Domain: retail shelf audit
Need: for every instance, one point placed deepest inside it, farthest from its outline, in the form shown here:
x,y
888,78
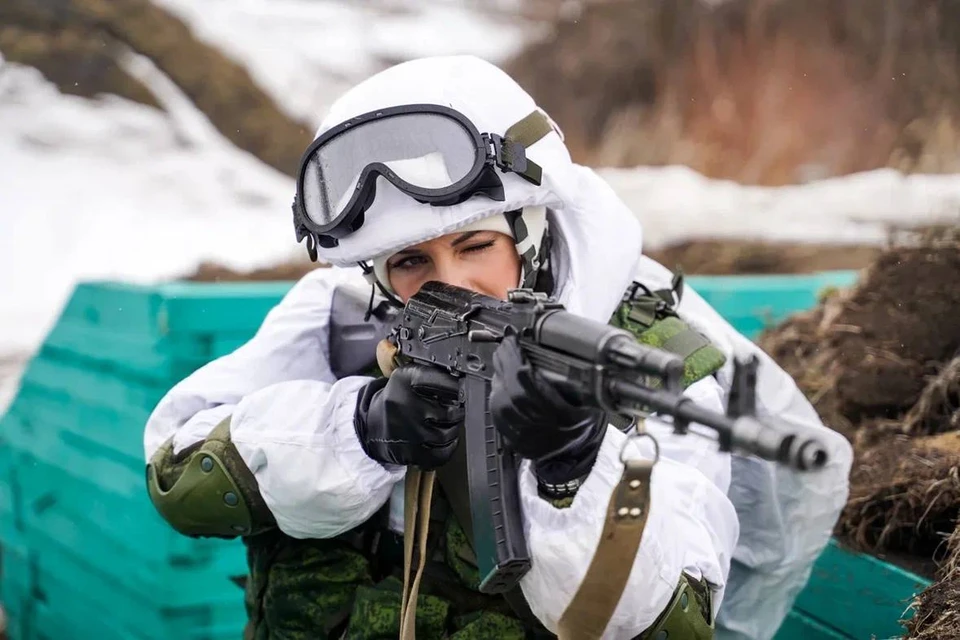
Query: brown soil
x,y
867,354
62,36
881,363
718,257
936,614
905,495
287,271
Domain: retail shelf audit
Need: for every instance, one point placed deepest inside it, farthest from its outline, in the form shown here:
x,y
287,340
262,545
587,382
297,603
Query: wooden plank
x,y
95,387
54,616
161,584
129,522
218,308
64,577
10,516
178,307
44,444
112,433
858,594
164,360
114,307
798,626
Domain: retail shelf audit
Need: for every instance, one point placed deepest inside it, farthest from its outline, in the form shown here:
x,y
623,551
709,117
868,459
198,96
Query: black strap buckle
x,y
510,155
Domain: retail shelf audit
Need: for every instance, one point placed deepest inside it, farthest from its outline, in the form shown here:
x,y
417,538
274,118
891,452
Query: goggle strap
x,y
519,137
529,130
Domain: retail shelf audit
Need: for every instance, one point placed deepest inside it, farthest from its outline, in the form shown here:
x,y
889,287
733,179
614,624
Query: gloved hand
x,y
538,423
411,418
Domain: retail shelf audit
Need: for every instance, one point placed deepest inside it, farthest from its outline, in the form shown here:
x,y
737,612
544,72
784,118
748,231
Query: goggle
x,y
432,153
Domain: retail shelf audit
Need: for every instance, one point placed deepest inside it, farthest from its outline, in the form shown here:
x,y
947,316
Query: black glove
x,y
536,421
411,418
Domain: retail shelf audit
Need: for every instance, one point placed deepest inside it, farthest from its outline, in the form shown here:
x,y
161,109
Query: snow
x,y
676,204
305,53
108,189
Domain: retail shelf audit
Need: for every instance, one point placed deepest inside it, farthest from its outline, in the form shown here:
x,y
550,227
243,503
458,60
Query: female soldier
x,y
445,169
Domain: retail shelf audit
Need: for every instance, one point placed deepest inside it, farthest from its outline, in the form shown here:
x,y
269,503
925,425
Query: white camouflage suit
x,y
751,529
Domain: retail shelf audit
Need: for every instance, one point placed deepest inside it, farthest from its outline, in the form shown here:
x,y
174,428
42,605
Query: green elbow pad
x,y
688,616
207,491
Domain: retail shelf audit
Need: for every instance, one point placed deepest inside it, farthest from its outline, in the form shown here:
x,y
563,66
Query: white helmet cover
x,y
584,213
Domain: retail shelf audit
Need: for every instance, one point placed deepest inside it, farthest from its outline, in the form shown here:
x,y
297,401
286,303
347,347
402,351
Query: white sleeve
x,y
692,525
292,421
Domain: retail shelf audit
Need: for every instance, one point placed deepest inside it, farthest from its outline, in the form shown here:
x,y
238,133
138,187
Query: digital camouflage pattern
x,y
299,589
654,323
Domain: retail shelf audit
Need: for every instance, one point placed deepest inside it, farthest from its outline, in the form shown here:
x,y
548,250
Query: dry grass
x,y
759,91
881,363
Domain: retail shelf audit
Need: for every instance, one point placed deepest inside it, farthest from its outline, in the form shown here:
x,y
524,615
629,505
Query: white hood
x,y
597,238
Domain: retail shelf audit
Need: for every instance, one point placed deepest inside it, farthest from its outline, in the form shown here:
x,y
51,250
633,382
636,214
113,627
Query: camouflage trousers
x,y
299,589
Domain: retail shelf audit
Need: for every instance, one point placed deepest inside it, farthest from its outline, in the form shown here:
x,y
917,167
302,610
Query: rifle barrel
x,y
797,448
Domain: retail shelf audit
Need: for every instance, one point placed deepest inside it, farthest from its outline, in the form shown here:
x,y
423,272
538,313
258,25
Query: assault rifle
x,y
589,362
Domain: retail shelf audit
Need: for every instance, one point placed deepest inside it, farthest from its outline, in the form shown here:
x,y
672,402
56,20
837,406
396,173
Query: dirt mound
x,y
866,355
722,257
78,44
285,271
740,89
881,363
905,495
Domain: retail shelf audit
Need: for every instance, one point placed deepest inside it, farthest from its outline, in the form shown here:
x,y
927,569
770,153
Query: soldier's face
x,y
483,261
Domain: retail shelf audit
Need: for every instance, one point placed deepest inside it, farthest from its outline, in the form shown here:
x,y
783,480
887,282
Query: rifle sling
x,y
418,496
593,605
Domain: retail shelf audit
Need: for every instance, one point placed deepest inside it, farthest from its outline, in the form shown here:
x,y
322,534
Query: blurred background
x,y
148,140
155,141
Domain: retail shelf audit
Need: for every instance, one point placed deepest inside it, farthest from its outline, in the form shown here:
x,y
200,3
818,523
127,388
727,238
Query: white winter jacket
x,y
750,529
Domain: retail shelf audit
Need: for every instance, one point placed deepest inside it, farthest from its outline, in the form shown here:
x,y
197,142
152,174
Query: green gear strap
x,y
530,129
689,616
207,491
525,133
652,319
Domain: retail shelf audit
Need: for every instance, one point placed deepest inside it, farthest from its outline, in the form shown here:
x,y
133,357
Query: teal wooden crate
x,y
89,428
752,303
859,594
163,332
64,577
160,310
